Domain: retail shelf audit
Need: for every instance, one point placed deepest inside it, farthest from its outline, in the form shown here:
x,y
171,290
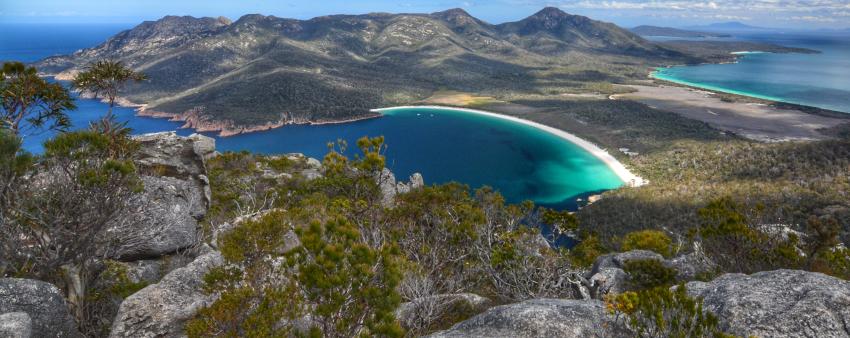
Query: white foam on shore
x,y
618,168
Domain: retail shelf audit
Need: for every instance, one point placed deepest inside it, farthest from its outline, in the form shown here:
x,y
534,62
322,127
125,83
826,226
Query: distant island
x,y
727,26
674,32
262,72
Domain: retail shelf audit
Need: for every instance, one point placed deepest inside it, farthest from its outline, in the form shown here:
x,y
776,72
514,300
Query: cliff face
x,y
262,71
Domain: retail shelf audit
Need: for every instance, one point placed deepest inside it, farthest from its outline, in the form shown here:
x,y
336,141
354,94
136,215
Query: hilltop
x,y
263,71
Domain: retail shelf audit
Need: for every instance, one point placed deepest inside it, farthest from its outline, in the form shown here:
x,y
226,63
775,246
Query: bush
x,y
652,240
649,273
663,313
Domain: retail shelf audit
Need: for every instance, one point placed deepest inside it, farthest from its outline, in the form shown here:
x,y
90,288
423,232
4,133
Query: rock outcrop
x,y
15,325
390,187
160,221
163,219
41,302
781,303
608,276
162,309
540,318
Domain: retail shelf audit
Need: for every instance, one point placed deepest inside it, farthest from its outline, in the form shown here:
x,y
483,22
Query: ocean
x,y
818,80
520,161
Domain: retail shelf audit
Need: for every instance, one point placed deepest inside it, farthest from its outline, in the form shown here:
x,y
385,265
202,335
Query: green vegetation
x,y
649,273
356,257
652,240
663,313
776,184
616,124
30,102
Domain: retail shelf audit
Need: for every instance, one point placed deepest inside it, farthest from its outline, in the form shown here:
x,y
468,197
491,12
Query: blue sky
x,y
773,13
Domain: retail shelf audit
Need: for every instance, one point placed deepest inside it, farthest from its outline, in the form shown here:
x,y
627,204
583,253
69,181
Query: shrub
x,y
663,313
586,252
652,240
649,273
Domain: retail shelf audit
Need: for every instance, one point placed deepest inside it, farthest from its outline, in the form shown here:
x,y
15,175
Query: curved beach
x,y
618,168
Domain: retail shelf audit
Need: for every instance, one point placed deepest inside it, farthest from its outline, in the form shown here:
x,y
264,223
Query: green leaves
x,y
26,97
649,273
652,240
105,78
351,284
664,313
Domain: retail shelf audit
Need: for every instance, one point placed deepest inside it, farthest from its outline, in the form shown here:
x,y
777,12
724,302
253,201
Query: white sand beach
x,y
618,168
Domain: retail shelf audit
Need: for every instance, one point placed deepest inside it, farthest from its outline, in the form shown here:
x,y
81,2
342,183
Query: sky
x,y
806,14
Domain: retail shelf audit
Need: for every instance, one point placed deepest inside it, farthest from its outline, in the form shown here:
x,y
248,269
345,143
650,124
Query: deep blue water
x,y
519,161
820,80
32,42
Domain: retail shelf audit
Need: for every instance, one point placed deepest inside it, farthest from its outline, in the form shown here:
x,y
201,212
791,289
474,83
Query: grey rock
x,y
162,309
167,154
42,302
540,318
609,281
311,174
781,303
402,188
173,155
203,146
390,187
438,305
690,266
161,220
15,325
417,181
152,270
314,163
618,260
387,182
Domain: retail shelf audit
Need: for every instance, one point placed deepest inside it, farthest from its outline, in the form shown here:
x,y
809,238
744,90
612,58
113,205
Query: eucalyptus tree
x,y
106,78
29,101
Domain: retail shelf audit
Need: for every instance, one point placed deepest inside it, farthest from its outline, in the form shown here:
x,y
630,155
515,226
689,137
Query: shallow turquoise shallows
x,y
819,80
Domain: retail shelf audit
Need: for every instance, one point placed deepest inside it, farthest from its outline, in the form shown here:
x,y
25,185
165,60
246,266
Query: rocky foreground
x,y
173,254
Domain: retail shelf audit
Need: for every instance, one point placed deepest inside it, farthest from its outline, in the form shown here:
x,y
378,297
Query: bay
x,y
818,80
520,161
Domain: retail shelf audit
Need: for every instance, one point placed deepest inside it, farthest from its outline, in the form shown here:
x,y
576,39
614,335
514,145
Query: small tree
x,y
106,78
352,286
61,208
27,98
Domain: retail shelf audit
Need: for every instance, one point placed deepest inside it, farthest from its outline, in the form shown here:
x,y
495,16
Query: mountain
x,y
260,72
674,32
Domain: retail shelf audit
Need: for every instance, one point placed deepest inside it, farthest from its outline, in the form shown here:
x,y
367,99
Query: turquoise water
x,y
446,145
520,161
819,80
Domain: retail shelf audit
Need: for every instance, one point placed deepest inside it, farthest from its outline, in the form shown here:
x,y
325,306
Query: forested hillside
x,y
260,69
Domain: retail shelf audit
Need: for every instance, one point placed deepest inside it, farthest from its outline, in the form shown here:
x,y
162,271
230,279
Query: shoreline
x,y
225,128
750,119
627,177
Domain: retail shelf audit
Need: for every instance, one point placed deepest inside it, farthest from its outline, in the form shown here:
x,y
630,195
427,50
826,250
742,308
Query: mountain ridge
x,y
265,71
